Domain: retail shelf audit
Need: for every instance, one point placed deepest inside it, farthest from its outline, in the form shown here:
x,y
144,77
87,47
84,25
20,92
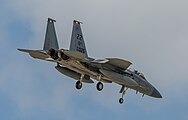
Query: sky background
x,y
152,34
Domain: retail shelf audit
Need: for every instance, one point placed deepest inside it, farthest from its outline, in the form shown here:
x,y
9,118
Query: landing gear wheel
x,y
121,100
99,86
78,85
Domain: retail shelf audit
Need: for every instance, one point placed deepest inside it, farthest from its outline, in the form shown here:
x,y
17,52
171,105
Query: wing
x,y
77,39
120,63
112,63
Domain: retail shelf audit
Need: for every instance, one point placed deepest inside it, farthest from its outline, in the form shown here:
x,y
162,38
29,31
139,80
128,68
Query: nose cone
x,y
156,94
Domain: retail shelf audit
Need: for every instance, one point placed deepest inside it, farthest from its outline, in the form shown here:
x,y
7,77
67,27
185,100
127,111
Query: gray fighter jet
x,y
76,64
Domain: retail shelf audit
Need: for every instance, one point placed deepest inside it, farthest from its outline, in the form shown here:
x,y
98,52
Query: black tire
x,y
121,100
99,86
78,85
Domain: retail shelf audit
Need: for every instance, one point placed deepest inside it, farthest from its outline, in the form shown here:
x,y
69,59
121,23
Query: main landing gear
x,y
123,91
99,84
79,83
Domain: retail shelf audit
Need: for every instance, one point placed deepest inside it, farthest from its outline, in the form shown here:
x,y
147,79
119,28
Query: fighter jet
x,y
76,63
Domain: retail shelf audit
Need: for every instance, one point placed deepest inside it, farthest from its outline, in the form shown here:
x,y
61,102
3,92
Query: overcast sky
x,y
153,35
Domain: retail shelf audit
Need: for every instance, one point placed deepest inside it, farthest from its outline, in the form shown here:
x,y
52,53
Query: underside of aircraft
x,y
76,63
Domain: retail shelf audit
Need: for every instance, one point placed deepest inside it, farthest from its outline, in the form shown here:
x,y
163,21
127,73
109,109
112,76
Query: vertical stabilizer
x,y
50,37
77,39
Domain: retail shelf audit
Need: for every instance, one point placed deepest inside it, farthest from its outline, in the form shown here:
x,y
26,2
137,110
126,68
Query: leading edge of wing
x,y
117,62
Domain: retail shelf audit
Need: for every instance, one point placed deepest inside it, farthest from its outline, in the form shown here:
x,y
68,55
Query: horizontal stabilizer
x,y
39,54
26,50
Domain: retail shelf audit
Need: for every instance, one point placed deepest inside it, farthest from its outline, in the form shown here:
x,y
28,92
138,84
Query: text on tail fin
x,y
77,39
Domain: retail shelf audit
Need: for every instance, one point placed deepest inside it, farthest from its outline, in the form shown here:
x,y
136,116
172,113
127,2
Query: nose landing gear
x,y
123,91
121,100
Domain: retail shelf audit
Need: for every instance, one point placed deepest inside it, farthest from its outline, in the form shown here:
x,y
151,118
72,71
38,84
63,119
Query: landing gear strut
x,y
99,84
79,83
123,91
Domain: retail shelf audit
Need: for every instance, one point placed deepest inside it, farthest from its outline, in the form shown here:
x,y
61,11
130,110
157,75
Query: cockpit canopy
x,y
140,74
